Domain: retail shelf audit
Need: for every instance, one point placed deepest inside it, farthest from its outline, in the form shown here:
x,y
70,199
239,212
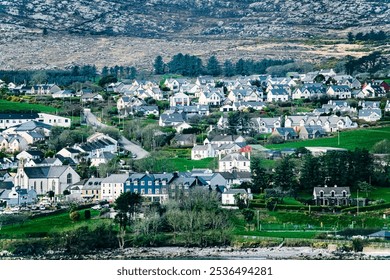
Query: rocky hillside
x,y
172,18
43,34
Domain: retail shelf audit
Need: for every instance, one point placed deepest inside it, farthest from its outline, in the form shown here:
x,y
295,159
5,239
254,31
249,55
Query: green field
x,y
350,139
49,224
184,164
6,105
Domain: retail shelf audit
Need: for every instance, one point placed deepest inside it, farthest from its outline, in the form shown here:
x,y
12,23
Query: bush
x,y
29,247
87,214
84,239
358,244
74,216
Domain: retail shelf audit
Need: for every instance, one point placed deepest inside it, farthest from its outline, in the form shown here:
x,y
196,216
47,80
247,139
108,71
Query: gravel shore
x,y
222,253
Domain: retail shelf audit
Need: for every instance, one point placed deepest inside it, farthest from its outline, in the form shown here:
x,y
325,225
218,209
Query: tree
x,y
228,68
50,194
248,216
107,80
259,176
39,77
365,187
127,205
159,66
350,37
284,177
381,147
311,173
213,66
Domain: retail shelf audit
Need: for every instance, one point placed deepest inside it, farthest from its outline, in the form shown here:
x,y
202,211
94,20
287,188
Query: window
x,y
157,191
69,178
332,193
142,183
150,191
344,194
135,183
149,183
321,194
142,191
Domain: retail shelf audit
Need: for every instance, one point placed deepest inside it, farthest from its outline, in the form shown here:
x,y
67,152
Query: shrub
x,y
358,244
87,214
74,216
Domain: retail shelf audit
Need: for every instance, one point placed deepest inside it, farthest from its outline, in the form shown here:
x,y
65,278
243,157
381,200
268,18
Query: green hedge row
x,y
367,208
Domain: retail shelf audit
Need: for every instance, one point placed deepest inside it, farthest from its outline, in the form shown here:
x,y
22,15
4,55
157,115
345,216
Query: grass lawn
x,y
184,164
378,193
49,224
6,105
350,139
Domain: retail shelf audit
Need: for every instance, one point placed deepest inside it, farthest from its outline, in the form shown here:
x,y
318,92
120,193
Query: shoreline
x,y
217,253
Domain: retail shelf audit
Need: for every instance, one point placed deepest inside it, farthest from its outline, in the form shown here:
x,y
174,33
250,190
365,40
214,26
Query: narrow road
x,y
136,150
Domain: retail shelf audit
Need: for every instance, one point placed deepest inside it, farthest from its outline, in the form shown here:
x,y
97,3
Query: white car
x,y
96,207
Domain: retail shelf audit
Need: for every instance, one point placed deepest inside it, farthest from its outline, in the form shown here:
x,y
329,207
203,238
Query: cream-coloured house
x,y
112,186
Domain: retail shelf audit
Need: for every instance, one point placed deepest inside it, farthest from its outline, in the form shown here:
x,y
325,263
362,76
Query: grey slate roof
x,y
31,125
19,116
45,171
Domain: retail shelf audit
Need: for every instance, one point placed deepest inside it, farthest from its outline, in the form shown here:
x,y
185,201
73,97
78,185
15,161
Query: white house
x,y
229,197
180,99
275,95
202,151
235,162
340,92
212,97
370,115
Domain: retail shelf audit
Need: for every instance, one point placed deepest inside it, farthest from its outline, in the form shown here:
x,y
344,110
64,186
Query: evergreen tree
x,y
284,177
350,37
159,66
311,173
228,69
213,67
259,175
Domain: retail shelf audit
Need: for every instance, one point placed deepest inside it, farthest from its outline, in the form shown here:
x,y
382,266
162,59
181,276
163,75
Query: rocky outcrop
x,y
222,18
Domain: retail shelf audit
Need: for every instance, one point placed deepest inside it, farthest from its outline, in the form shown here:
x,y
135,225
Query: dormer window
x,y
321,194
332,193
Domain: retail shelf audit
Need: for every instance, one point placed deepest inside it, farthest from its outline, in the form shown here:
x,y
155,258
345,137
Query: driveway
x,y
92,120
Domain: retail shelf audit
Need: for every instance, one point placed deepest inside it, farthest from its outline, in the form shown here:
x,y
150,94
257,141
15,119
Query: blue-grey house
x,y
153,187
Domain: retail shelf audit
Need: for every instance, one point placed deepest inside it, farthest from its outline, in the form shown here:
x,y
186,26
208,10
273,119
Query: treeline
x,y
371,63
190,65
370,36
303,171
67,77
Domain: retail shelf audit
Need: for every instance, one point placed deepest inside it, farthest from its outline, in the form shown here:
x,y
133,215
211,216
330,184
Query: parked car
x,y
96,207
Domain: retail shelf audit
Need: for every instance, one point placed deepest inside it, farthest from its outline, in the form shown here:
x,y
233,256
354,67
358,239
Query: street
x,y
136,150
